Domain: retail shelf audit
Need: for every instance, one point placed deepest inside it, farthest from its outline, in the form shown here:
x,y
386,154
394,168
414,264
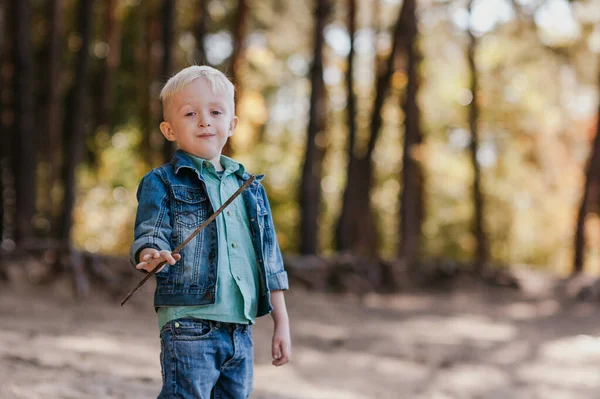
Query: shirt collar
x,y
183,159
233,165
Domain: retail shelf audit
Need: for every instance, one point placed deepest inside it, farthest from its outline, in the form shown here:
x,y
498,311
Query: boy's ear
x,y
166,130
232,125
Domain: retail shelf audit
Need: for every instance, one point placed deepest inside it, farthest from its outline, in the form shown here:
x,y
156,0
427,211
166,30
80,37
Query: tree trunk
x,y
113,38
148,65
51,104
7,121
74,143
239,35
310,188
359,234
351,102
411,205
481,252
75,126
592,176
3,129
237,57
200,31
347,233
167,65
24,154
356,230
3,275
3,133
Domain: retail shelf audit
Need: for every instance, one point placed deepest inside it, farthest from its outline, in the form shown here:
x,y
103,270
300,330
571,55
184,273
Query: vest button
x,y
207,295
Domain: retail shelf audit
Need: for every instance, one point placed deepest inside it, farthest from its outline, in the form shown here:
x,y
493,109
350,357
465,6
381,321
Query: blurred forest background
x,y
402,143
463,131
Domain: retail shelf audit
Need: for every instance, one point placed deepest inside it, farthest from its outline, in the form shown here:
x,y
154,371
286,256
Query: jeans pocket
x,y
189,329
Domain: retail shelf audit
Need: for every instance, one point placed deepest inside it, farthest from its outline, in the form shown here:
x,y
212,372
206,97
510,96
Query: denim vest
x,y
172,203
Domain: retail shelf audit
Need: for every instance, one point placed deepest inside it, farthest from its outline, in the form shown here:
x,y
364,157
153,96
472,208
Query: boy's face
x,y
199,120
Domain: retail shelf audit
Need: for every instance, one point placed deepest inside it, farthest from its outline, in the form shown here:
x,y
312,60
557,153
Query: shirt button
x,y
228,213
207,164
177,325
238,278
233,245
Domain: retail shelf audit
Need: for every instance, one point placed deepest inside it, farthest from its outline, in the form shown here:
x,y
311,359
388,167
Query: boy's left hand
x,y
282,344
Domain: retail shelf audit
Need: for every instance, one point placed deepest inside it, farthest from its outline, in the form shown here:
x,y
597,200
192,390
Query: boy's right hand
x,y
150,257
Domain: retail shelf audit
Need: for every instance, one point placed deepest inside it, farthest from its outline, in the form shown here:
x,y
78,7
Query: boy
x,y
209,294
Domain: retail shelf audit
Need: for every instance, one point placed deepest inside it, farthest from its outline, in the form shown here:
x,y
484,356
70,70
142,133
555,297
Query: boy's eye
x,y
216,112
190,114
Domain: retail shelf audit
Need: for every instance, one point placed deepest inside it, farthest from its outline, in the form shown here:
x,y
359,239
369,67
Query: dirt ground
x,y
476,342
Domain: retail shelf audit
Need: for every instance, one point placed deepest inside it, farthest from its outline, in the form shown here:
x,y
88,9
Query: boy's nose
x,y
203,124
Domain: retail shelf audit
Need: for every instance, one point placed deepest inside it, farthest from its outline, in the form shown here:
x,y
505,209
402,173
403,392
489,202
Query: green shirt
x,y
237,277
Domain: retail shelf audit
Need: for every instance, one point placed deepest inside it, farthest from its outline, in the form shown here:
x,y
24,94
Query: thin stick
x,y
198,230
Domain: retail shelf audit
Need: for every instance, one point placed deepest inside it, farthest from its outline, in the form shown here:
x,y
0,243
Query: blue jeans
x,y
203,359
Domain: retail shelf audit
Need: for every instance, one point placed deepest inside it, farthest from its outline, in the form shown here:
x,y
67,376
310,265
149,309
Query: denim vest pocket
x,y
191,206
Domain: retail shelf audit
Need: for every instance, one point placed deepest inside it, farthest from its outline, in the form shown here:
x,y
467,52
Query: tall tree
x,y
359,234
481,252
240,28
200,32
23,156
411,198
148,64
113,38
351,102
3,134
7,121
3,130
75,124
51,104
310,188
592,178
348,230
167,65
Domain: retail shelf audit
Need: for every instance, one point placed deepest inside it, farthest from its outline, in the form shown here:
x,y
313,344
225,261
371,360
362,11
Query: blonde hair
x,y
217,80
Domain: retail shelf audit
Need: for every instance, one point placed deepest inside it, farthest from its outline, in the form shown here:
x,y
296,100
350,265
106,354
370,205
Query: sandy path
x,y
485,343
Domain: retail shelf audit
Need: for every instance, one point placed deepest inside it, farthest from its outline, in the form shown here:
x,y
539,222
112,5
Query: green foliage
x,y
106,202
